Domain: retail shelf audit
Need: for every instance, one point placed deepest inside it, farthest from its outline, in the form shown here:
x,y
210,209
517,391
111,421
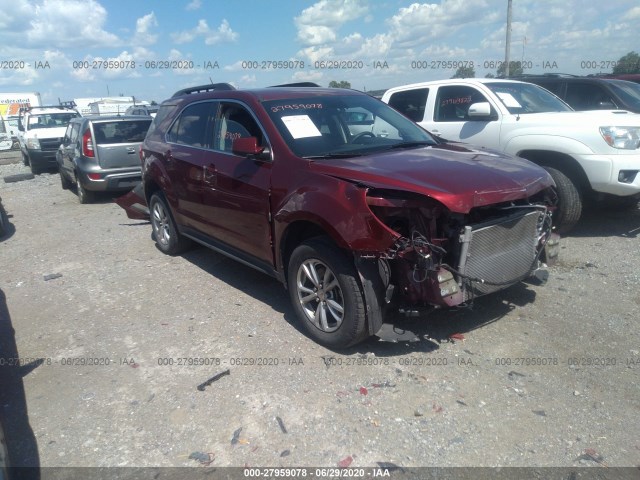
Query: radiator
x,y
501,252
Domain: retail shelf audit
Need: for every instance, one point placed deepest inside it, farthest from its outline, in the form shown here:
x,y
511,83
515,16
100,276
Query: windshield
x,y
343,126
627,91
51,120
522,98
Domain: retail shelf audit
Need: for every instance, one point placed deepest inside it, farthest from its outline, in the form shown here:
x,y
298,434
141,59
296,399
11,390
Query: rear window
x,y
107,133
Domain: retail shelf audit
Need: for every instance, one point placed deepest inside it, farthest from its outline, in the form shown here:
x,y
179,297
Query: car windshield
x,y
51,120
627,91
343,126
522,98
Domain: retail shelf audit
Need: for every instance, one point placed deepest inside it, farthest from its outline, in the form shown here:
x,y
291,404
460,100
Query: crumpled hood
x,y
456,175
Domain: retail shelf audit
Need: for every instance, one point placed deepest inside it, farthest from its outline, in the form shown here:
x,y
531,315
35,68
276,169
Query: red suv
x,y
350,204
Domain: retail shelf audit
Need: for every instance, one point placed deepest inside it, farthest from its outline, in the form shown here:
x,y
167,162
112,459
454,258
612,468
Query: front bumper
x,y
603,172
42,158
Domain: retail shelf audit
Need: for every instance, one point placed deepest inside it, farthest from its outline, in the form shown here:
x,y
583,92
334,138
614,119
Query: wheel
x,y
64,181
165,232
569,201
34,169
84,196
326,295
360,135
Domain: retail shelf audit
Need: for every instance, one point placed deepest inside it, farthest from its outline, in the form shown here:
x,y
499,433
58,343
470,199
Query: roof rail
x,y
65,107
298,84
204,88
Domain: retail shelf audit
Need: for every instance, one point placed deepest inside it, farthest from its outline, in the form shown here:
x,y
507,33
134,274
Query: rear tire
x,y
84,196
569,201
326,295
165,231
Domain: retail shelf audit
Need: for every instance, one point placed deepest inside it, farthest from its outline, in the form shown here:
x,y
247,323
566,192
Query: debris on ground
x,y
591,454
203,458
364,391
215,378
285,453
345,462
281,423
52,276
456,336
236,436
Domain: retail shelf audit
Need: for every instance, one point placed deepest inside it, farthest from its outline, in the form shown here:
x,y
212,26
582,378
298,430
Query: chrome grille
x,y
502,252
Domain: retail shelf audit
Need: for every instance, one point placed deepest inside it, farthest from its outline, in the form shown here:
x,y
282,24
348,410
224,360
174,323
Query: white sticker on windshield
x,y
508,100
301,126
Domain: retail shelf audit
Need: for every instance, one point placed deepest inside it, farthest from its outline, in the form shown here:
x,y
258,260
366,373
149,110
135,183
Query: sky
x,y
66,49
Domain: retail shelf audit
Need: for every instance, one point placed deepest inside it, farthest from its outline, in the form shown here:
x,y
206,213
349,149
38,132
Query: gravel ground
x,y
533,376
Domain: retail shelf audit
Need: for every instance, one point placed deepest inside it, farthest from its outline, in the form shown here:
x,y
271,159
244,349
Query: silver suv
x,y
101,154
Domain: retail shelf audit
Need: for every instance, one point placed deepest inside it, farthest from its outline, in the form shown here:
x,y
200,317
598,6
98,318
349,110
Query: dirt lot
x,y
114,338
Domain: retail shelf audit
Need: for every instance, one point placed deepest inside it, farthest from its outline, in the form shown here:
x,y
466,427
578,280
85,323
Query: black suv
x,y
590,93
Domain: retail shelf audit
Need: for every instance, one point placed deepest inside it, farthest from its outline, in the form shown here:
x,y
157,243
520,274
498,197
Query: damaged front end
x,y
444,259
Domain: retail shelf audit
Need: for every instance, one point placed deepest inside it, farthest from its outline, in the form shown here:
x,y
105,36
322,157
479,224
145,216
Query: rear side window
x,y
411,103
120,132
191,127
586,96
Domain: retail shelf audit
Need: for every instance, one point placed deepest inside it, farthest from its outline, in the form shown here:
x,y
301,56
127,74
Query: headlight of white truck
x,y
627,138
33,143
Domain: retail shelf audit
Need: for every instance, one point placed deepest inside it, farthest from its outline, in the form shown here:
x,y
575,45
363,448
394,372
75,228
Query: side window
x,y
191,126
453,102
75,129
553,87
234,121
411,103
585,96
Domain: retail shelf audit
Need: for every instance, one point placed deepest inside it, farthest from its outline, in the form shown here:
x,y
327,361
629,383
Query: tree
x,y
515,68
464,72
489,75
629,63
340,84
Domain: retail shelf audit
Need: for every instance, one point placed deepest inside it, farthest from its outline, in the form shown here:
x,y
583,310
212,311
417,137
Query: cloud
x,y
67,23
193,5
222,34
143,35
319,23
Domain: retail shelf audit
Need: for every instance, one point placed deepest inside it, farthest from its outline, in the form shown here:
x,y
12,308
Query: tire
x,y
333,317
165,231
34,169
65,183
569,201
84,196
25,159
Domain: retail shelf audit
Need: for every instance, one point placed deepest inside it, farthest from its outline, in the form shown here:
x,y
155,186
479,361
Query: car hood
x,y
458,176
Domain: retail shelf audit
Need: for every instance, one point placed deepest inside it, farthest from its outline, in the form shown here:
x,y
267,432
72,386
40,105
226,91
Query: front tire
x,y
65,183
325,294
165,231
569,201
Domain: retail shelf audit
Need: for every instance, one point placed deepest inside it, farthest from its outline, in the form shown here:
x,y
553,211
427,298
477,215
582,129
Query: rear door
x,y
236,188
117,141
70,147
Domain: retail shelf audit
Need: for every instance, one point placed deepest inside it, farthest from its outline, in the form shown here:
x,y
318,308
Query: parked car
x,y
149,110
586,153
590,93
286,181
100,154
40,132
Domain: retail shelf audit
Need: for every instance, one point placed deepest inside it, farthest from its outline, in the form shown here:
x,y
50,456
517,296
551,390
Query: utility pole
x,y
507,50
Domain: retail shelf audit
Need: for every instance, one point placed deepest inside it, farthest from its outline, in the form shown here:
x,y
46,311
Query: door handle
x,y
435,132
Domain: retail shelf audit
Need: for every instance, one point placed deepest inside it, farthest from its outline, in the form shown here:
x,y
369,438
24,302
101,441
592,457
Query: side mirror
x,y
248,147
479,111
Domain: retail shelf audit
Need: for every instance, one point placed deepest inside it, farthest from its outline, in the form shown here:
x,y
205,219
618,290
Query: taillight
x,y
87,144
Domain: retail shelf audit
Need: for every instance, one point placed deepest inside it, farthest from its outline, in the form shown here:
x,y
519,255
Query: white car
x,y
584,152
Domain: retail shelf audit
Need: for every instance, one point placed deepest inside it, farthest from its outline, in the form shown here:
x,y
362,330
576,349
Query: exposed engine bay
x,y
441,258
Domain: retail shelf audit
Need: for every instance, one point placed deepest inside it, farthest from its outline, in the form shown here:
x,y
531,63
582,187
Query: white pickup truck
x,y
585,152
